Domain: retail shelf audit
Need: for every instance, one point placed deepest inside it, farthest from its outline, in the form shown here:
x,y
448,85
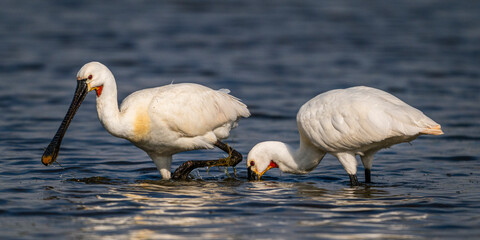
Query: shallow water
x,y
274,56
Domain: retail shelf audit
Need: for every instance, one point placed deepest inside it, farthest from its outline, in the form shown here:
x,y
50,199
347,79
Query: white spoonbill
x,y
343,122
161,121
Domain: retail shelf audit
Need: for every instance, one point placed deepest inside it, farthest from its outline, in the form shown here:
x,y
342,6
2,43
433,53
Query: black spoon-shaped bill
x,y
251,175
51,152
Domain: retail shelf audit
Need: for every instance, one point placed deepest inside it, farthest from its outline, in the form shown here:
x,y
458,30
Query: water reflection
x,y
205,209
274,57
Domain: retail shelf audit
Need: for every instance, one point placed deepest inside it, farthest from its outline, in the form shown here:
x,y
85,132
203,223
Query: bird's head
x,y
91,76
94,74
260,159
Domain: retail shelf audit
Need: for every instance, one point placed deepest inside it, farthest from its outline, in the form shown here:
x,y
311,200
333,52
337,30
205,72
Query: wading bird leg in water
x,y
232,160
354,180
368,174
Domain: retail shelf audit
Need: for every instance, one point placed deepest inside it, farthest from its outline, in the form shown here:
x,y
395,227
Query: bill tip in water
x,y
251,175
47,160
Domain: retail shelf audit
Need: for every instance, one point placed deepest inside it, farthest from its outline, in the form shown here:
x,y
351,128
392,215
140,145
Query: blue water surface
x,y
274,55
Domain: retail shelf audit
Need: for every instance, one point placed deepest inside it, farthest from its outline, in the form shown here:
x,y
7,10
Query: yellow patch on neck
x,y
141,124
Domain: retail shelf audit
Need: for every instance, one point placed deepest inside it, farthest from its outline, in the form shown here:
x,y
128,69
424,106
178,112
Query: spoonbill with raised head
x,y
161,121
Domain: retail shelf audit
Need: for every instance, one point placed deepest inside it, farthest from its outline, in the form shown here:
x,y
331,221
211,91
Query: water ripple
x,y
274,57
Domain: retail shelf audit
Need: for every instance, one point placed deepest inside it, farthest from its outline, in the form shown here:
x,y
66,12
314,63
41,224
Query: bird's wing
x,y
355,117
193,109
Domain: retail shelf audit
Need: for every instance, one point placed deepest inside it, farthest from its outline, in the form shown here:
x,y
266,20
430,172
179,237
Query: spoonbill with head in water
x,y
344,123
161,121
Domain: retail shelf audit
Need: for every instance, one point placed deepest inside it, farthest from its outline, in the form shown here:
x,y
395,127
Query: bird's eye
x,y
252,163
90,77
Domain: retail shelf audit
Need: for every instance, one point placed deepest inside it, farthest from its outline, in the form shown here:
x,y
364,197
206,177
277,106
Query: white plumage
x,y
344,123
165,120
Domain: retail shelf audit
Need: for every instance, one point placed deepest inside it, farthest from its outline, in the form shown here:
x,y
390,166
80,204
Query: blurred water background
x,y
274,55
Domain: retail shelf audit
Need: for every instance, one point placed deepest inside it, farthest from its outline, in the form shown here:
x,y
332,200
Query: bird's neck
x,y
299,161
107,108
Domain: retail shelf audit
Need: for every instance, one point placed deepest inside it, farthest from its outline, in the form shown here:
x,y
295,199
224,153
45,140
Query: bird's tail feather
x,y
435,130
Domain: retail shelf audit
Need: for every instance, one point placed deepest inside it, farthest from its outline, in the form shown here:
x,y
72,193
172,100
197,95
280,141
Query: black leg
x,y
232,160
368,175
354,180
